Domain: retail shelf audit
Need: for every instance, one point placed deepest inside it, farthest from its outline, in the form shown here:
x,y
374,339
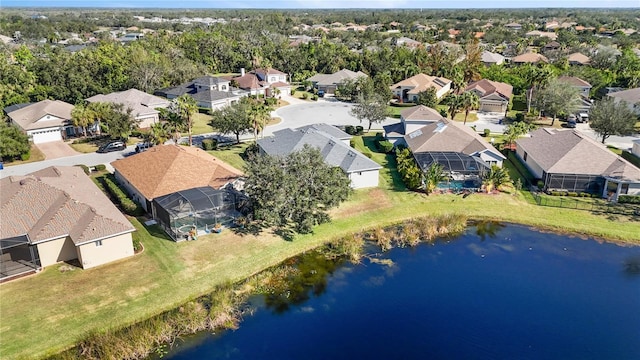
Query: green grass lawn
x,y
232,155
50,311
201,124
35,155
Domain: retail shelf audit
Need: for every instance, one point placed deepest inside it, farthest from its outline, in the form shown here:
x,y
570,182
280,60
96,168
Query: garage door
x,y
46,136
491,107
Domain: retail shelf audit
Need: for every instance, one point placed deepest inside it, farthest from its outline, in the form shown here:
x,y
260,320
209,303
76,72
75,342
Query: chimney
x,y
241,71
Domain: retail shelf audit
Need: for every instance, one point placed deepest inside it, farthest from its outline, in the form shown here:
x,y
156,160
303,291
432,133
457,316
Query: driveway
x,y
621,142
489,120
56,149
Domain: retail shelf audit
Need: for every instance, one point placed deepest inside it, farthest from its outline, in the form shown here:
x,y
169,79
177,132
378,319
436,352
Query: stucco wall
x,y
634,189
135,194
636,148
54,251
147,120
115,248
535,169
364,179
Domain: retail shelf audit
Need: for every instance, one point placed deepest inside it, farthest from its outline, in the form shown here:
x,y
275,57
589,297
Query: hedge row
x,y
354,130
629,199
631,158
129,206
571,194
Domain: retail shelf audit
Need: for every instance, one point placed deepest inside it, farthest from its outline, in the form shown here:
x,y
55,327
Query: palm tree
x,y
172,125
434,175
470,101
82,116
495,178
455,104
159,133
185,108
536,76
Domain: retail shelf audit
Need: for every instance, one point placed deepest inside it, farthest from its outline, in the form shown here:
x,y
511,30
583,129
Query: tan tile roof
x,y
248,81
166,169
447,136
567,151
529,58
579,58
421,112
422,82
573,81
56,202
28,116
488,87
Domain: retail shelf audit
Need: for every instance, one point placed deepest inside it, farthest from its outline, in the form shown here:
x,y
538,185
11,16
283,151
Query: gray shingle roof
x,y
27,116
569,152
337,77
334,151
631,96
328,129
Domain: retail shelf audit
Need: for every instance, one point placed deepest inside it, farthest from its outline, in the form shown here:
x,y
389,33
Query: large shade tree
x,y
557,97
372,108
13,142
234,119
610,118
296,191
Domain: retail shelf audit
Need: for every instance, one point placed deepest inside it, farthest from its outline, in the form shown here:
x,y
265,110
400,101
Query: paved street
x,y
86,159
295,115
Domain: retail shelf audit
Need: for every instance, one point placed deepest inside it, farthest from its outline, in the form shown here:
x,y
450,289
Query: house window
x,y
98,243
525,156
624,189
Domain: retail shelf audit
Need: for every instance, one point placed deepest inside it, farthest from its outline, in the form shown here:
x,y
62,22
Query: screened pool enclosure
x,y
463,171
188,213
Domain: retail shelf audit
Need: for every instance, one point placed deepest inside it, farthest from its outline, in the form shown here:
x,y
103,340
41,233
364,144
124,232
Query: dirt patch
x,y
376,199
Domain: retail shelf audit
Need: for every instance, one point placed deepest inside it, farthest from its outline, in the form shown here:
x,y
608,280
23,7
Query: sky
x,y
324,4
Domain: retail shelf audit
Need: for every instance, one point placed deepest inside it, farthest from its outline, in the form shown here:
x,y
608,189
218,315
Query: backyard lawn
x,y
50,311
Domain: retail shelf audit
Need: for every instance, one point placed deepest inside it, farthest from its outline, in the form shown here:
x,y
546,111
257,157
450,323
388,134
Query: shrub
x,y
352,142
128,206
350,130
25,156
572,193
359,130
540,184
487,132
293,92
519,116
314,98
101,167
209,144
305,96
85,168
585,194
385,146
367,154
629,199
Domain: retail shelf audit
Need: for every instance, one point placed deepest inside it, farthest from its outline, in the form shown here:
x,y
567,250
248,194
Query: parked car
x,y
112,146
140,147
571,121
583,117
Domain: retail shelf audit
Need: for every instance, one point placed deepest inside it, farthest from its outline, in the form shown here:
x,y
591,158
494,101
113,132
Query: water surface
x,y
493,293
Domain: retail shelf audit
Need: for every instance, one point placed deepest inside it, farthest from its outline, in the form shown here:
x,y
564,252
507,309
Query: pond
x,y
495,292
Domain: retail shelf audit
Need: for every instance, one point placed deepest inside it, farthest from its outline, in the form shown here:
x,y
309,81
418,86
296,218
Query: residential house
x,y
58,214
558,158
362,171
529,58
44,121
463,153
166,169
411,119
583,87
143,105
547,34
408,89
551,46
631,97
488,58
494,96
513,26
129,37
330,82
211,92
406,42
578,59
263,81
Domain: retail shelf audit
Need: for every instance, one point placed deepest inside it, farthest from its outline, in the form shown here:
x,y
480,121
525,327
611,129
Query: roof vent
x,y
440,127
415,134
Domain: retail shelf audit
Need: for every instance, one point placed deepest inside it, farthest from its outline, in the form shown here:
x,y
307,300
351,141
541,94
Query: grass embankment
x,y
53,310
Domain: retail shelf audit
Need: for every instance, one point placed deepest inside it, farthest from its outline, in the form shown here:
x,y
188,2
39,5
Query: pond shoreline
x,y
222,308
